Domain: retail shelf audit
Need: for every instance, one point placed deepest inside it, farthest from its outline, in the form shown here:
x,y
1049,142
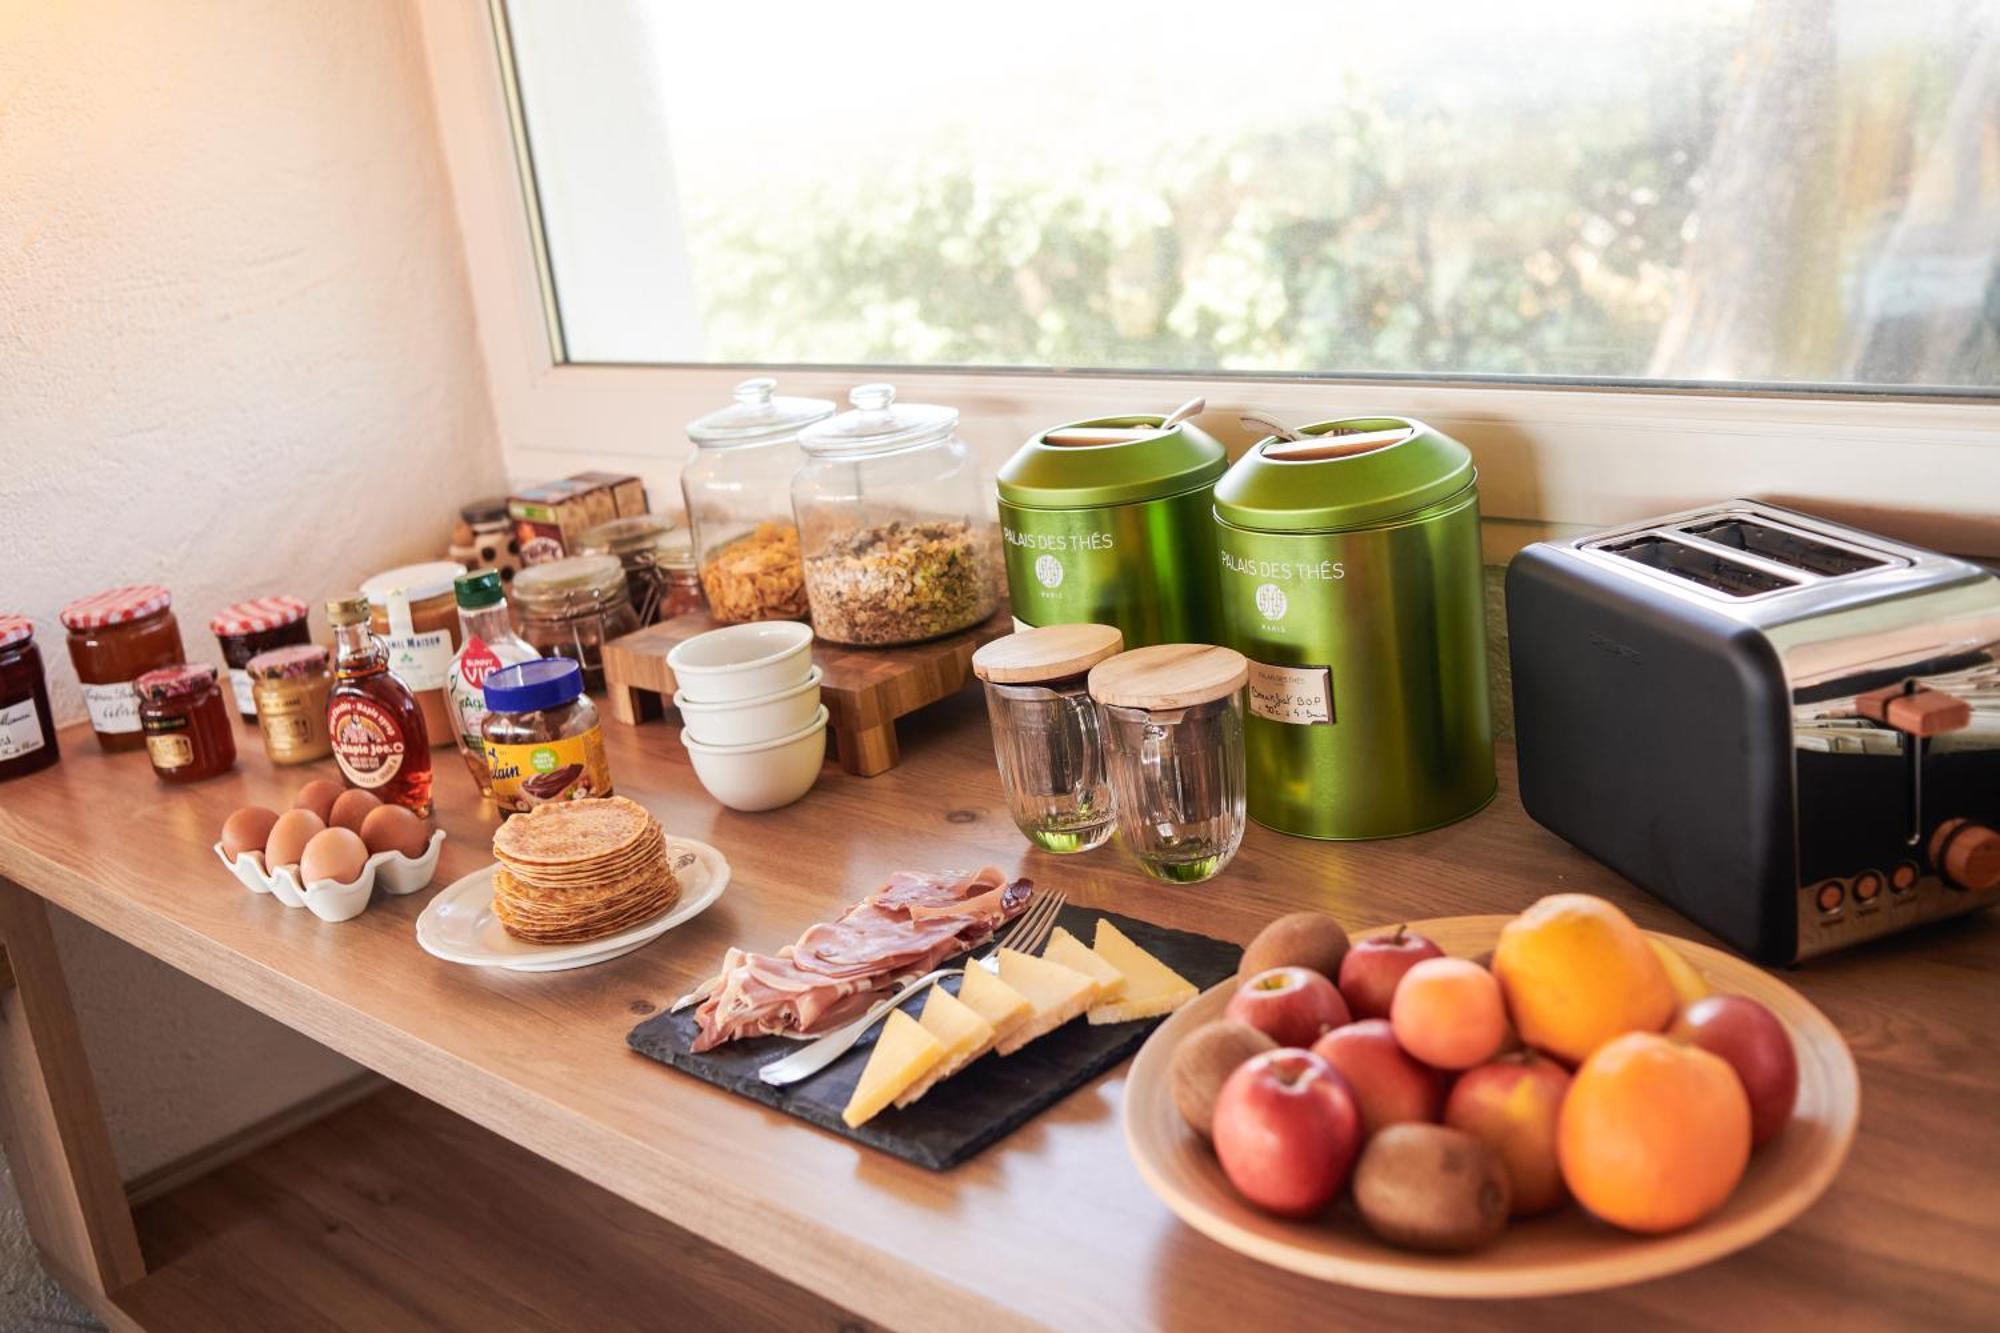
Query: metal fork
x,y
1027,933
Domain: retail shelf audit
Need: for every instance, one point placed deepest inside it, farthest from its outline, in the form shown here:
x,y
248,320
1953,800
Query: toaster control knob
x,y
1967,854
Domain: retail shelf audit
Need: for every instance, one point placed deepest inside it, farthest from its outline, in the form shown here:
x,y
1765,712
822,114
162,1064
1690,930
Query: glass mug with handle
x,y
1172,722
1047,736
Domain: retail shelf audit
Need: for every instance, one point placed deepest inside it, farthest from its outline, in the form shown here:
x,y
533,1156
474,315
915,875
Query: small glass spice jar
x,y
249,628
27,727
543,743
189,733
573,607
658,557
1045,732
1173,737
291,686
114,638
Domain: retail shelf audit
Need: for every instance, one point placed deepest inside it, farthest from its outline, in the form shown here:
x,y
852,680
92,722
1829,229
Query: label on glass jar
x,y
114,708
1301,696
420,661
167,743
239,681
367,742
537,772
20,730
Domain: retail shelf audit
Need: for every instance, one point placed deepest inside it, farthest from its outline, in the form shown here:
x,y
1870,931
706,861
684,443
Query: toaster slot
x,y
1705,568
1785,547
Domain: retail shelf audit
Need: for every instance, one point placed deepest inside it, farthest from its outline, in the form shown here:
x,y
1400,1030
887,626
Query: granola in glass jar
x,y
756,577
900,582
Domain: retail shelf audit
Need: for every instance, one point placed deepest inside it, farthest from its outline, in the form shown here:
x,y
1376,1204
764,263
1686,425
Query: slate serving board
x,y
981,1104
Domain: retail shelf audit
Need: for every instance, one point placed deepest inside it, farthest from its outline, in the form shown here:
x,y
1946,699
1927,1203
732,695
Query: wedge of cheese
x,y
1057,993
903,1054
958,1028
1075,955
995,1001
1151,987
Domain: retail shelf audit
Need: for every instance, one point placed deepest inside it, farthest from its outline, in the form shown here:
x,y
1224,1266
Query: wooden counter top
x,y
1051,1226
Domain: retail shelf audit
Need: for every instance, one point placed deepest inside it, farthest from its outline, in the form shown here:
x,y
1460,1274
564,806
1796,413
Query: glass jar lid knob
x,y
872,397
756,392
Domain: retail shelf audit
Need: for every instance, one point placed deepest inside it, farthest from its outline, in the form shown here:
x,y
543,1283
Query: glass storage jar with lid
x,y
573,607
658,560
738,488
895,525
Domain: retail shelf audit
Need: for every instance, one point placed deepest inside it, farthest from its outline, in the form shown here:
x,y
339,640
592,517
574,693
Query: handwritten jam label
x,y
1299,696
20,730
113,708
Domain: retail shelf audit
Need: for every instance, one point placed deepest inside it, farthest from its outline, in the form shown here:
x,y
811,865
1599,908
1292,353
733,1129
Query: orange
x,y
1577,972
1653,1135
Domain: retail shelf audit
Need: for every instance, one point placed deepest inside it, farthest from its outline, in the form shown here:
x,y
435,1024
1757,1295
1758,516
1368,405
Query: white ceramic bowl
x,y
742,662
762,776
751,721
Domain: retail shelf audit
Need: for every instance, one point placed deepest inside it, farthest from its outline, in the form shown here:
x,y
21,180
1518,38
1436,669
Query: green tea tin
x,y
1109,522
1350,577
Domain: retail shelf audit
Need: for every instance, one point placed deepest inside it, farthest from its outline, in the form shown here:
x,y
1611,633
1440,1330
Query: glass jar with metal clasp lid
x,y
573,607
1047,737
658,556
738,489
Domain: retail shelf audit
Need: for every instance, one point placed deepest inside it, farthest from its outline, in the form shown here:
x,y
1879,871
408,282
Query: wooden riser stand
x,y
865,690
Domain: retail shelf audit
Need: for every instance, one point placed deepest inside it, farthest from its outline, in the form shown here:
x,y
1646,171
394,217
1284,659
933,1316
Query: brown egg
x,y
289,836
337,854
351,809
391,828
318,796
246,830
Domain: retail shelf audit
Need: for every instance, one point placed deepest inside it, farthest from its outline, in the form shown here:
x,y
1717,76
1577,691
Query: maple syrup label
x,y
367,742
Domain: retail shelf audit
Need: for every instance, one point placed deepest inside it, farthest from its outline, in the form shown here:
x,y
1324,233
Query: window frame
x,y
1553,458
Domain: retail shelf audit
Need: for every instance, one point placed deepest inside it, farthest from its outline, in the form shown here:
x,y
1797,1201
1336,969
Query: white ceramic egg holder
x,y
330,900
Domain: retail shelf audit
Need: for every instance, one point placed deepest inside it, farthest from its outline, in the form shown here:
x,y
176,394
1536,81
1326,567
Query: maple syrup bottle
x,y
375,721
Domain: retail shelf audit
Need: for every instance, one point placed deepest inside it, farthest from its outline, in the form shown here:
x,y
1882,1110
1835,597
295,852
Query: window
x,y
1768,192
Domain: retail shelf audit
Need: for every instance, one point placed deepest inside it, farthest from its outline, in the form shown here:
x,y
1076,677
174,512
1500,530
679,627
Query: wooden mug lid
x,y
1053,652
1169,675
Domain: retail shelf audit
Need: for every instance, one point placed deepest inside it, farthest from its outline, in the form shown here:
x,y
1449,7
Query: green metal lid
x,y
1041,475
1384,481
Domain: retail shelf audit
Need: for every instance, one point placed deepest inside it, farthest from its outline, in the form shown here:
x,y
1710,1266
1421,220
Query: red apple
x,y
1289,1004
1287,1132
1756,1045
1512,1104
1374,967
1388,1084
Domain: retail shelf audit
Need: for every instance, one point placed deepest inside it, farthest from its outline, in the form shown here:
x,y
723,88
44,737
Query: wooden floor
x,y
397,1214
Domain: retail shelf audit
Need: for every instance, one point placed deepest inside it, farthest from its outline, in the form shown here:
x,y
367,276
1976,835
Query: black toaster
x,y
1786,728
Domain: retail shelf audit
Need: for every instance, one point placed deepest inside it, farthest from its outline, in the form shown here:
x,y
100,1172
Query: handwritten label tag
x,y
1301,696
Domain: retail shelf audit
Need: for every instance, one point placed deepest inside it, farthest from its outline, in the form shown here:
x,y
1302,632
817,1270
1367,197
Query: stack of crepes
x,y
576,871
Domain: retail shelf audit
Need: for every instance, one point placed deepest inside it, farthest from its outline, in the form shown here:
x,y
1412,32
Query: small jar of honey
x,y
290,687
189,733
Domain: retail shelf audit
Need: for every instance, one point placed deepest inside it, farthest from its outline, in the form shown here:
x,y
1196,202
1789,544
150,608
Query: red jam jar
x,y
249,628
114,638
27,728
189,733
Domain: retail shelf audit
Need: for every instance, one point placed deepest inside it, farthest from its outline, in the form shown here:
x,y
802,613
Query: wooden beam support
x,y
52,1123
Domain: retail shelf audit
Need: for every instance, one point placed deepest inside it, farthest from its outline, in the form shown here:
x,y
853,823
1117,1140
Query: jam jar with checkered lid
x,y
249,628
115,637
186,723
27,727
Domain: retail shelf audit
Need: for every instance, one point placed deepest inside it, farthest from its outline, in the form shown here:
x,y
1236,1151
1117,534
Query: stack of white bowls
x,y
751,718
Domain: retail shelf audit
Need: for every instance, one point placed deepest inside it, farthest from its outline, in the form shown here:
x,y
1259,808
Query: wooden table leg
x,y
53,1126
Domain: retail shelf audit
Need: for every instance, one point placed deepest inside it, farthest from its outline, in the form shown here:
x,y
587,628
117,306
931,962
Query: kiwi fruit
x,y
1430,1187
1204,1061
1312,940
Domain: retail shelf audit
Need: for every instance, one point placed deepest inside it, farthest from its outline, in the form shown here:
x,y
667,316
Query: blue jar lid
x,y
544,682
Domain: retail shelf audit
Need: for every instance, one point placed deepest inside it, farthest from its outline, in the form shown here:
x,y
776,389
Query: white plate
x,y
458,924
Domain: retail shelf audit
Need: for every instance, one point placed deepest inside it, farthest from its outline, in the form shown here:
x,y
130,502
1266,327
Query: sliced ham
x,y
906,928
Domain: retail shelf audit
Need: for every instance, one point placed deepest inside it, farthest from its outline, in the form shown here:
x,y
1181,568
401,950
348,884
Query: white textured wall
x,y
236,357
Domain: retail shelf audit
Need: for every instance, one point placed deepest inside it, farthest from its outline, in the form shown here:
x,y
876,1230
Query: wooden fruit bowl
x,y
1568,1251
